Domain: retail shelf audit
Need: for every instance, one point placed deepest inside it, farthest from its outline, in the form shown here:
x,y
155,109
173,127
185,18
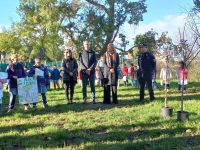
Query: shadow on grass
x,y
137,136
184,143
178,98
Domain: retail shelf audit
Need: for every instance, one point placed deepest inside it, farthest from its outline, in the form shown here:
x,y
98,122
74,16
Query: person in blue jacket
x,y
55,76
41,80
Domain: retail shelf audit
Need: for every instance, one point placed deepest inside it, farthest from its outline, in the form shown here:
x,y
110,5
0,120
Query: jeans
x,y
12,96
44,100
91,79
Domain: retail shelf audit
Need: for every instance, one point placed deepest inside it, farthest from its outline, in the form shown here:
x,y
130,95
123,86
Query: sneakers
x,y
84,102
34,108
46,106
93,102
26,107
152,99
9,110
69,102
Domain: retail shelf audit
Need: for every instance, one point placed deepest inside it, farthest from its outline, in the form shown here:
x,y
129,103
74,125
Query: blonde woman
x,y
111,64
15,70
69,67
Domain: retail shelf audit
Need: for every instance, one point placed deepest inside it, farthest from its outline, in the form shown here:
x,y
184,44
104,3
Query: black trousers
x,y
69,86
107,92
148,80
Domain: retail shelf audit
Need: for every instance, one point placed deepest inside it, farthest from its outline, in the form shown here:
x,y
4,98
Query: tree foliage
x,y
46,25
147,38
100,21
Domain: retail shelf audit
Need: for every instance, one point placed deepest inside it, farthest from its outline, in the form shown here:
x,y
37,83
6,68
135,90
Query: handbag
x,y
104,80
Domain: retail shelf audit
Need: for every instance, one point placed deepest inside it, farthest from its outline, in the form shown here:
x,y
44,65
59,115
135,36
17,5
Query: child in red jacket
x,y
132,71
182,76
125,75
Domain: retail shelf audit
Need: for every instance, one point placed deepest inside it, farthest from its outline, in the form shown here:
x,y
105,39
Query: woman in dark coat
x,y
111,62
69,66
15,70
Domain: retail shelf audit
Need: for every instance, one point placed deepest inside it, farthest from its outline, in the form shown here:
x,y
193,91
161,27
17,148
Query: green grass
x,y
130,125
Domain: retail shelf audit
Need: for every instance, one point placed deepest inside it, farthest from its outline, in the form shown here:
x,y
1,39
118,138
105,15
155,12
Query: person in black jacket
x,y
111,64
88,61
147,64
69,67
15,70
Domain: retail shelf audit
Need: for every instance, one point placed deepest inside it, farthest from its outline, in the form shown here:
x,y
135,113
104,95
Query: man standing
x,y
87,61
147,63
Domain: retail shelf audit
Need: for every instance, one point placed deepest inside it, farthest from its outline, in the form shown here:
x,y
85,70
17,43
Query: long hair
x,y
110,52
183,65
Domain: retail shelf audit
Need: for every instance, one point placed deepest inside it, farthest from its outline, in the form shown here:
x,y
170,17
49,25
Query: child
x,y
166,74
41,80
120,75
125,75
80,76
135,82
48,80
55,76
132,71
61,77
182,76
98,76
2,81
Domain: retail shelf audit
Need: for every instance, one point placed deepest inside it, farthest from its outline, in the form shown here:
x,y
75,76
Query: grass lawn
x,y
130,125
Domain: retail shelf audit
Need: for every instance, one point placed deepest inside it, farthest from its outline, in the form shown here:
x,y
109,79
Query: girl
x,y
2,81
132,71
125,75
182,76
166,74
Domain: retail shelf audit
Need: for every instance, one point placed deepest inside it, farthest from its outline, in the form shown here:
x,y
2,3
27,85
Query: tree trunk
x,y
166,88
182,93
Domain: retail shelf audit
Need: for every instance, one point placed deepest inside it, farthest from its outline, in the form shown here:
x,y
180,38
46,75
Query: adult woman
x,y
111,63
15,70
69,66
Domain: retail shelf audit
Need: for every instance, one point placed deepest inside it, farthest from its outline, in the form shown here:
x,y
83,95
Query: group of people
x,y
88,65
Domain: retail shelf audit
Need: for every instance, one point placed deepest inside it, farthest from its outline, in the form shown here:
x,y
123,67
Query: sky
x,y
8,12
162,15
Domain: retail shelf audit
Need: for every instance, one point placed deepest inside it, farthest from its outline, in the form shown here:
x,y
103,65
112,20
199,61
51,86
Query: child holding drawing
x,y
41,73
3,79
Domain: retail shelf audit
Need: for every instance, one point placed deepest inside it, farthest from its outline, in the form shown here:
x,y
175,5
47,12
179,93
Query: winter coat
x,y
69,65
111,63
